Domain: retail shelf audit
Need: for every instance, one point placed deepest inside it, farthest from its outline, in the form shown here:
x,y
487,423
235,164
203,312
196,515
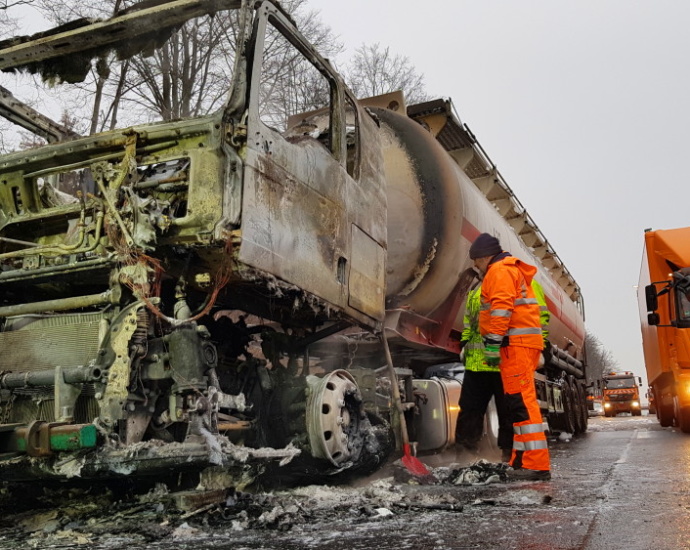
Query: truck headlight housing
x,y
635,403
607,405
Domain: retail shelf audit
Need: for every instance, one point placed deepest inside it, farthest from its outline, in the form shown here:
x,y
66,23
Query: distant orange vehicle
x,y
664,300
620,393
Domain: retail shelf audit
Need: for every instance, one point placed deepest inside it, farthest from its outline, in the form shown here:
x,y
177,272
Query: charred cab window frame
x,y
353,153
269,15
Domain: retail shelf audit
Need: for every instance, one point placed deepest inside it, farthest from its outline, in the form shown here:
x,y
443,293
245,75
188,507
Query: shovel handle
x,y
404,436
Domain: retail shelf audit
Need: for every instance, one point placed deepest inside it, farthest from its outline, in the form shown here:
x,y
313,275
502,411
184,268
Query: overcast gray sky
x,y
583,106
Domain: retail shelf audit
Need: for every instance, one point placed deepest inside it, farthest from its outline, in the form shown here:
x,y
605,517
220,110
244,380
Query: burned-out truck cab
x,y
160,284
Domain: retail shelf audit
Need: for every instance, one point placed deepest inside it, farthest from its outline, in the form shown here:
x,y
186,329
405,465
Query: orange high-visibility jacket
x,y
509,306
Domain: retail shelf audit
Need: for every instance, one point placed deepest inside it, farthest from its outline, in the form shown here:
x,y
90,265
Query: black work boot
x,y
506,455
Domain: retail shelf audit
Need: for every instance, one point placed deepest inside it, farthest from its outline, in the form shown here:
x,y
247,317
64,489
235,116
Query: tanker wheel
x,y
582,399
577,406
568,423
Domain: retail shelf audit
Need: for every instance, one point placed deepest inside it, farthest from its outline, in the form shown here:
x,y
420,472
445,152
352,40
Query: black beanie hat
x,y
485,245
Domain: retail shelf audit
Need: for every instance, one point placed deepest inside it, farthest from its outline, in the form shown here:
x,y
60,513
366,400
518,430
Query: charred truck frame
x,y
210,293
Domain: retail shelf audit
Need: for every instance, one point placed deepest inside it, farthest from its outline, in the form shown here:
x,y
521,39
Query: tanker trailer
x,y
442,192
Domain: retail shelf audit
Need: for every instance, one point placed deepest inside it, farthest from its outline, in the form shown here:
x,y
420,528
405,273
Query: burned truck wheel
x,y
334,418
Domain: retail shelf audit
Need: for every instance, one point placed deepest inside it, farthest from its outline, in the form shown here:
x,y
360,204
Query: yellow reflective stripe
x,y
530,445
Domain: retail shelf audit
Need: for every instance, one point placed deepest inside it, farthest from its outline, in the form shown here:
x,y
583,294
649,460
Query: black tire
x,y
684,419
568,418
664,412
582,395
578,405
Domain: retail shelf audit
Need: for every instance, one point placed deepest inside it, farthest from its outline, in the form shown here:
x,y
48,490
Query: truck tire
x,y
582,397
682,415
684,420
664,412
568,420
578,405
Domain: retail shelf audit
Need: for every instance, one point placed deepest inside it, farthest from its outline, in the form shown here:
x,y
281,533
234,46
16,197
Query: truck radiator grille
x,y
35,342
25,410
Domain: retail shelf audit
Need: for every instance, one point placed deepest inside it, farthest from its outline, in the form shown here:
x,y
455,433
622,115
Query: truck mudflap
x,y
151,458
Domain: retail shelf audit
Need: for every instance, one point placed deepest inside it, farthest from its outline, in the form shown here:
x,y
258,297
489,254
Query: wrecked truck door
x,y
310,215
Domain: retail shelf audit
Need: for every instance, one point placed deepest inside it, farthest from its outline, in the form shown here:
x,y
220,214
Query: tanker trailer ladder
x,y
412,463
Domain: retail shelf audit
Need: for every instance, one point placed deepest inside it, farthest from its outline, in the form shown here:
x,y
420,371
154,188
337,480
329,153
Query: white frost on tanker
x,y
420,271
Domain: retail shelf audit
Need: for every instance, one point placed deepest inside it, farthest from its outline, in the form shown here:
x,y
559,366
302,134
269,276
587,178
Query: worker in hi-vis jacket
x,y
481,381
510,326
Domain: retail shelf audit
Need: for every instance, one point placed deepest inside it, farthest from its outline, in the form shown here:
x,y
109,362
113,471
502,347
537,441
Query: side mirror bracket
x,y
651,299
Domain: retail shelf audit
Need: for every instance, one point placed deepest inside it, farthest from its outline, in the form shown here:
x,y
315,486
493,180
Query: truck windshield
x,y
620,383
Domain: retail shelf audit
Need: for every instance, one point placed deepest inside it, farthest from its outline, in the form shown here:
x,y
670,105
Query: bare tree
x,y
374,70
189,74
599,359
8,25
7,4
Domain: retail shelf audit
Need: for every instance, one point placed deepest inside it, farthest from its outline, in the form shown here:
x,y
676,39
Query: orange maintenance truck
x,y
620,393
664,301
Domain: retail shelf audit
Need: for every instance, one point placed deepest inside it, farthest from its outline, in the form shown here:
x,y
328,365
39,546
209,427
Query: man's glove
x,y
492,352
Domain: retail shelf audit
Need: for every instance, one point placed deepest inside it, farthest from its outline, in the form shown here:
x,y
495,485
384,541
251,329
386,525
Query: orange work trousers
x,y
530,449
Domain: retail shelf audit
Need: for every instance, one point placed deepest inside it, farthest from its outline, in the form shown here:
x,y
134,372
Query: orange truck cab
x,y
621,394
664,300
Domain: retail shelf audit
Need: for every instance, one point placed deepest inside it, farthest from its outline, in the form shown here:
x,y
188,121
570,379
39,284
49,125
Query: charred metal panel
x,y
293,226
129,33
366,281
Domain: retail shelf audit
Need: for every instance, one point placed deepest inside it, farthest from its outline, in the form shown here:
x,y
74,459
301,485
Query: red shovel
x,y
415,466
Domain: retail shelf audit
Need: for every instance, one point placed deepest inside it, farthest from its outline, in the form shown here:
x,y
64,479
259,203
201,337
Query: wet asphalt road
x,y
625,484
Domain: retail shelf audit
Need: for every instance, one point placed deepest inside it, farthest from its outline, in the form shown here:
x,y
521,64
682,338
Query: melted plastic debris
x,y
481,472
